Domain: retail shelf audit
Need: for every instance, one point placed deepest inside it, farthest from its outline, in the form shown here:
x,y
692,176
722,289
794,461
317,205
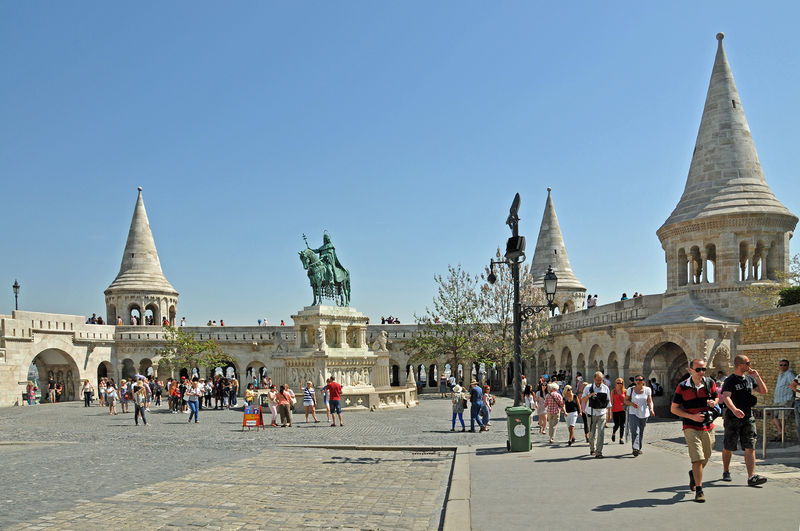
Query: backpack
x,y
599,401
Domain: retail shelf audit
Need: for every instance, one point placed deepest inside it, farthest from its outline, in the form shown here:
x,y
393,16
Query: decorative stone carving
x,y
380,344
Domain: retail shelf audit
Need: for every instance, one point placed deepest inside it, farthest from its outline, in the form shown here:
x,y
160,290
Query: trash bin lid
x,y
518,410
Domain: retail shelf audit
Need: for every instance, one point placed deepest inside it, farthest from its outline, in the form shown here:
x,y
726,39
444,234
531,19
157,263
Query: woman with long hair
x,y
541,410
30,393
272,396
124,395
192,396
139,403
284,406
529,398
640,401
88,390
101,392
618,409
573,408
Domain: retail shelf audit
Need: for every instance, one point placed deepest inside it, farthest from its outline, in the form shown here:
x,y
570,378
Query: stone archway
x,y
55,363
668,363
595,354
613,367
104,370
580,367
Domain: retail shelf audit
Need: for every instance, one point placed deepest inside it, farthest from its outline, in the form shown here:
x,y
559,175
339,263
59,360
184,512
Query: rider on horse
x,y
327,253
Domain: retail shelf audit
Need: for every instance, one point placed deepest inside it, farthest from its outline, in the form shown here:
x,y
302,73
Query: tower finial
x,y
720,36
549,190
140,188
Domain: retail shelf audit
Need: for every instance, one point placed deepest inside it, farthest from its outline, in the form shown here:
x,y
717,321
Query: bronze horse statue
x,y
323,285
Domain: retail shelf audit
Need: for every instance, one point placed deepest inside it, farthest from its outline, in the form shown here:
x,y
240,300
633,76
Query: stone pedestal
x,y
331,342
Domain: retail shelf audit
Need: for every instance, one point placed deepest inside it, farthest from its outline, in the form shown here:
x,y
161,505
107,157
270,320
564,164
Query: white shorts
x,y
572,418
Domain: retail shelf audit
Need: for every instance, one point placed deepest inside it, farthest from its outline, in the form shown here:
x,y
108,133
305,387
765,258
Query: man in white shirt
x,y
597,404
784,396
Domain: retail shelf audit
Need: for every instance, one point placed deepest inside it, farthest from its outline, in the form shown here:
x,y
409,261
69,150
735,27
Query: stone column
x,y
362,337
381,374
704,265
342,339
765,263
300,335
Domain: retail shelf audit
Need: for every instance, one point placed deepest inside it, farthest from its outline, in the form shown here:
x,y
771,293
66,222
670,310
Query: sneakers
x,y
691,482
598,456
621,440
756,480
635,453
699,497
613,437
726,476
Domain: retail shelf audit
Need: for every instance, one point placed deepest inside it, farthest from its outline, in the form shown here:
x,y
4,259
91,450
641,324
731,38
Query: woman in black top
x,y
573,407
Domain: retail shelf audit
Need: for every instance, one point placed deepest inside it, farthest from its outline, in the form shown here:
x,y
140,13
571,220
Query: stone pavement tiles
x,y
561,487
283,488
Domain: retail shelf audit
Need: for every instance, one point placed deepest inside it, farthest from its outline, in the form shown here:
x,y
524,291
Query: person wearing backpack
x,y
598,412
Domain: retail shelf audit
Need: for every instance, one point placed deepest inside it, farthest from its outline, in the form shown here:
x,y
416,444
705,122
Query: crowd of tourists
x,y
191,396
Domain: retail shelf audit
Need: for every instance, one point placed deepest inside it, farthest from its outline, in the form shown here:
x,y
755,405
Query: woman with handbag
x,y
139,403
88,390
573,408
111,397
457,398
285,406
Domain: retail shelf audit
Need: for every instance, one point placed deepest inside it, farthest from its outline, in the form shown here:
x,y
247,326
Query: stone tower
x,y
140,287
728,229
551,251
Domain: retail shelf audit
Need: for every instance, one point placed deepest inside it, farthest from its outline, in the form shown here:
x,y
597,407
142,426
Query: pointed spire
x,y
725,176
551,251
141,268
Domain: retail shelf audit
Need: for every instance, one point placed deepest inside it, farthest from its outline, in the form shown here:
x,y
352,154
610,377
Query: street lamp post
x,y
515,255
16,294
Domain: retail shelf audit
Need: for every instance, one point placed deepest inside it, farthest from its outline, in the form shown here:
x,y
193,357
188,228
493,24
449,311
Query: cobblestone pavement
x,y
81,460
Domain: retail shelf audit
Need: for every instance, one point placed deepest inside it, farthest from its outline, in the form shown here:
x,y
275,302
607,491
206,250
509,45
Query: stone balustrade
x,y
613,313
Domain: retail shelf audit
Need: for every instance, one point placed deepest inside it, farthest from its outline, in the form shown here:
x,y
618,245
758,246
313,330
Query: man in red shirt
x,y
693,400
335,397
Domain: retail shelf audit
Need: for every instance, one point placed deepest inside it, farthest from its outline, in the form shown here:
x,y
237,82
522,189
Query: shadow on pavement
x,y
645,502
491,451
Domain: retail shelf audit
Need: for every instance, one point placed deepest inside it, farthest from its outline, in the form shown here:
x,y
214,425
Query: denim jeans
x,y
193,408
475,416
637,430
485,415
460,416
138,411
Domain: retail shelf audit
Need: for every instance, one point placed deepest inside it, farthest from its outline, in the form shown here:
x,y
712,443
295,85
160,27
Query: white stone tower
x,y
728,229
551,251
140,287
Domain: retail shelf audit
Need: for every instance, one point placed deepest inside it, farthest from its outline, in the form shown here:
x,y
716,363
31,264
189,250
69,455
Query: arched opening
x,y
128,369
711,263
721,362
394,375
146,368
552,369
668,364
595,353
254,373
566,359
228,371
134,314
433,378
580,366
104,370
626,365
422,376
759,261
613,367
152,315
57,365
172,315
569,307
184,373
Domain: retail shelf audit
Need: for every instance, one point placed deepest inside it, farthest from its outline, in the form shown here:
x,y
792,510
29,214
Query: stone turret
x,y
552,252
140,287
728,229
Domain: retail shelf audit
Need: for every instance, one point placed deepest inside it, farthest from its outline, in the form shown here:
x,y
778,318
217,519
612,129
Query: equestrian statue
x,y
329,279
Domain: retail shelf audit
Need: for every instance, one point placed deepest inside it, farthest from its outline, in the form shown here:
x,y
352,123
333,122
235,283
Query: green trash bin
x,y
519,429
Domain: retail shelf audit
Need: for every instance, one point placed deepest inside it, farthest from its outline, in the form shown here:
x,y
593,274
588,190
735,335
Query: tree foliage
x,y
181,350
765,295
448,327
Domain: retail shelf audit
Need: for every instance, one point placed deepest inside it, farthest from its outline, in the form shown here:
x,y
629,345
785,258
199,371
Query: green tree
x,y
765,295
496,331
448,328
181,349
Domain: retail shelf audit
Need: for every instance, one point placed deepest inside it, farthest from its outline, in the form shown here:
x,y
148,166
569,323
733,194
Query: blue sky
x,y
403,128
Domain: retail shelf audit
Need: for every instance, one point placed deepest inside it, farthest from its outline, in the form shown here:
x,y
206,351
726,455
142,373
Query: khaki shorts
x,y
700,444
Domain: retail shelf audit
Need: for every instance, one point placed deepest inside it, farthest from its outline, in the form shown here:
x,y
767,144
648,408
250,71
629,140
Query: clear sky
x,y
403,128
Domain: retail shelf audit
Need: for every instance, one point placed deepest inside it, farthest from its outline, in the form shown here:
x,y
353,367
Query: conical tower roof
x,y
725,176
551,251
140,269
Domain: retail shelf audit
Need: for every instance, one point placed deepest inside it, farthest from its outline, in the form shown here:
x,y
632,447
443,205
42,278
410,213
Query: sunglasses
x,y
702,369
639,379
784,364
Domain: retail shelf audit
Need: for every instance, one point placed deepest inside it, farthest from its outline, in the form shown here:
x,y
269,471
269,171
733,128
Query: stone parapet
x,y
627,311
